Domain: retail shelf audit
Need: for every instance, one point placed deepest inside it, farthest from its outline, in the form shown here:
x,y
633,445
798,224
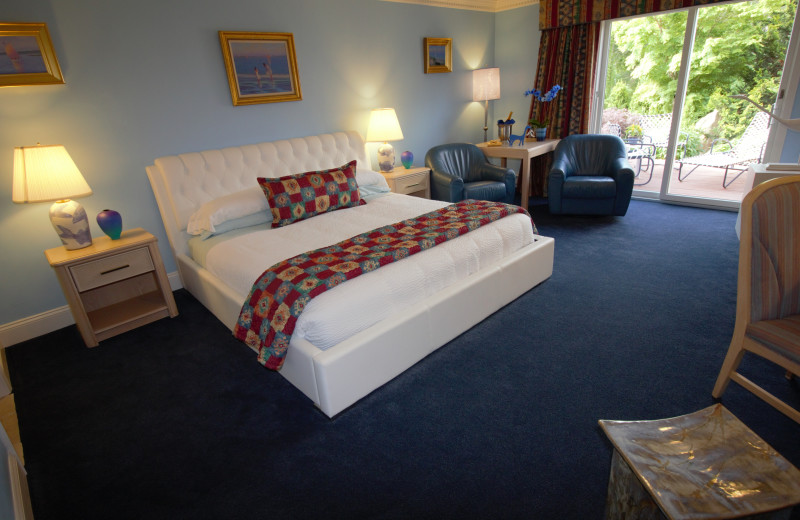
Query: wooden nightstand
x,y
413,181
114,286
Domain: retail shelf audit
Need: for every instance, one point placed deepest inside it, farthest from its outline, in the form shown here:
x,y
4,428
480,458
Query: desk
x,y
525,152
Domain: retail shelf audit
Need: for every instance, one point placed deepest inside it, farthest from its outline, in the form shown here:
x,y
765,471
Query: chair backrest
x,y
770,249
611,129
656,126
588,154
463,160
751,145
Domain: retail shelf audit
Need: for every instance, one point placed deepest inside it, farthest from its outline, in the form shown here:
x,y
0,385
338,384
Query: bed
x,y
390,333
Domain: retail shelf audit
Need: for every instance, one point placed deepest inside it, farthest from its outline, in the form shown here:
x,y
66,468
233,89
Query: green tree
x,y
739,48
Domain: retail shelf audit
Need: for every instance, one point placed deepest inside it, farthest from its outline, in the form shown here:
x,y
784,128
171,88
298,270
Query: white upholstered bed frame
x,y
335,378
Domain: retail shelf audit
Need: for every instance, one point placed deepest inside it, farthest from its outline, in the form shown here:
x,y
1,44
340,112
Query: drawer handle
x,y
412,185
115,269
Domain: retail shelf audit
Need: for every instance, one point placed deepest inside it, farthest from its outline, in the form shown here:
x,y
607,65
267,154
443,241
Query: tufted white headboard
x,y
182,183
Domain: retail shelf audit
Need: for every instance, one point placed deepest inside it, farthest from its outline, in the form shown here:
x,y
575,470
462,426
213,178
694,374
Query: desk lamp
x,y
485,86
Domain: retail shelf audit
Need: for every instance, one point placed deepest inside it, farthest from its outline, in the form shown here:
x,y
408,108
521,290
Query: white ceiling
x,y
492,6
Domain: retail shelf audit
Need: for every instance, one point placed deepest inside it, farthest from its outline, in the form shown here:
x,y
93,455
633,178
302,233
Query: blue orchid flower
x,y
549,96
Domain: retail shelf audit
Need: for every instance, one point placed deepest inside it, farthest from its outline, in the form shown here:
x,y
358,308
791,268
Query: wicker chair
x,y
768,292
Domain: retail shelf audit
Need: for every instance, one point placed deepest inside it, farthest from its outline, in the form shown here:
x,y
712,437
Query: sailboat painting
x,y
20,55
261,67
27,56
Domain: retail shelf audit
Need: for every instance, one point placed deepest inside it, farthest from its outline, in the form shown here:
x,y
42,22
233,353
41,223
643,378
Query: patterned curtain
x,y
567,58
564,13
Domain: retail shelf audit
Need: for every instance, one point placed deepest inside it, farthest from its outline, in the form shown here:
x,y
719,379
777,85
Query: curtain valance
x,y
565,13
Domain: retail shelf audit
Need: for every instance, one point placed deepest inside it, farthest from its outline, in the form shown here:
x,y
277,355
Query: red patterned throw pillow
x,y
304,195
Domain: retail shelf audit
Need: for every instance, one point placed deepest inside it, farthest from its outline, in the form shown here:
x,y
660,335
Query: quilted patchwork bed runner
x,y
280,294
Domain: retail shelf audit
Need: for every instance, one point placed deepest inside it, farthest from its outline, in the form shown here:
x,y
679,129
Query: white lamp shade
x,y
46,173
486,84
384,126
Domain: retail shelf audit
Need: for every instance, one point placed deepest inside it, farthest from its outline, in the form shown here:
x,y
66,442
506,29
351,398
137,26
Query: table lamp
x,y
485,86
48,173
384,127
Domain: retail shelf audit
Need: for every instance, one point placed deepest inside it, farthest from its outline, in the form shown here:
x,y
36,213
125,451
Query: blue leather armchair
x,y
460,171
590,175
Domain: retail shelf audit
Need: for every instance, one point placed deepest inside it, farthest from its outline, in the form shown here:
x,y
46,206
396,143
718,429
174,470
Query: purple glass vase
x,y
407,158
110,222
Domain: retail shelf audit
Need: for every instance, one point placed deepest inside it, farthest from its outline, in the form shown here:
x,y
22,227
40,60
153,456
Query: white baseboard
x,y
48,321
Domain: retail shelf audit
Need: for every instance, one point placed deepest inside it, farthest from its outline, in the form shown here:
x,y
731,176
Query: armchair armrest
x,y
492,172
621,169
445,187
555,183
507,176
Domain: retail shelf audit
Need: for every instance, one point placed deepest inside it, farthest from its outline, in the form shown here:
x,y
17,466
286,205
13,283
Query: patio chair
x,y
748,149
639,153
655,131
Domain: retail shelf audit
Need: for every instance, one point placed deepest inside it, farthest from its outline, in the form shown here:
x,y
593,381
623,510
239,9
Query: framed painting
x,y
27,56
261,67
438,55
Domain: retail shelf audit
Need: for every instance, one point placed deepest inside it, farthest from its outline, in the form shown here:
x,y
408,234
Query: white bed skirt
x,y
337,378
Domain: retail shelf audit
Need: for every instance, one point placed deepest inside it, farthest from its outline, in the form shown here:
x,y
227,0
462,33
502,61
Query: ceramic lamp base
x,y
69,220
386,157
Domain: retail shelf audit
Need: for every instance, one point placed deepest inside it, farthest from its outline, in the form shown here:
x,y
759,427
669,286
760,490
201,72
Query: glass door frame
x,y
790,79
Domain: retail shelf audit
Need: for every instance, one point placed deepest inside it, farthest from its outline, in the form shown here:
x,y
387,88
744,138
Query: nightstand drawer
x,y
111,269
412,183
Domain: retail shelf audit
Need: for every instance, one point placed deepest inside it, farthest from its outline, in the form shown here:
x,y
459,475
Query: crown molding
x,y
492,6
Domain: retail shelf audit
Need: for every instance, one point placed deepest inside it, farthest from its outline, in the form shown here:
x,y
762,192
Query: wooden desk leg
x,y
525,187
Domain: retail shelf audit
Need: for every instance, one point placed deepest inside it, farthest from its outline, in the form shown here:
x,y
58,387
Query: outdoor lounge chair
x,y
655,131
749,149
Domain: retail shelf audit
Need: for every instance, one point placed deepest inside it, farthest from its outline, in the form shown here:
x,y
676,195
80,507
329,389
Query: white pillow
x,y
365,177
229,207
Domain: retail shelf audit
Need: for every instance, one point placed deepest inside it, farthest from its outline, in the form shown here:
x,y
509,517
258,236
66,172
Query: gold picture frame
x,y
27,56
438,55
261,67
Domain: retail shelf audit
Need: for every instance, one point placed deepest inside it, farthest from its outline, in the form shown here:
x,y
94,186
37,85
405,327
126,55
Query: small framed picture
x,y
438,55
261,67
27,56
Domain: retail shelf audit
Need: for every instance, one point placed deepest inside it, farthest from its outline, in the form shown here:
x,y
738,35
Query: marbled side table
x,y
704,465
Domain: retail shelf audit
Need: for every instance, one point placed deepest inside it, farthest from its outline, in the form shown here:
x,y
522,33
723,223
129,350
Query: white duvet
x,y
367,299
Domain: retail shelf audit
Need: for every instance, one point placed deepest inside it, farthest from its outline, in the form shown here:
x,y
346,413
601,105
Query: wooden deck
x,y
704,182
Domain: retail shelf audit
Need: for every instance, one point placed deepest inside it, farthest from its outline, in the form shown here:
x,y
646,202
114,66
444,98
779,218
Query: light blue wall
x,y
146,79
791,146
516,53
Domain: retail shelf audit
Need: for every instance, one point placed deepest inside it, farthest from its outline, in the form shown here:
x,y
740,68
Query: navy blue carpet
x,y
178,420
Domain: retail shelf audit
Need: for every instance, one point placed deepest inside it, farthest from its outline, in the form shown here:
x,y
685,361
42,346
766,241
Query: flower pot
x,y
541,134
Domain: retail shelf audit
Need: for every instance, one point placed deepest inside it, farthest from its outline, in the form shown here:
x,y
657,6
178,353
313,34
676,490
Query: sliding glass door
x,y
666,81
